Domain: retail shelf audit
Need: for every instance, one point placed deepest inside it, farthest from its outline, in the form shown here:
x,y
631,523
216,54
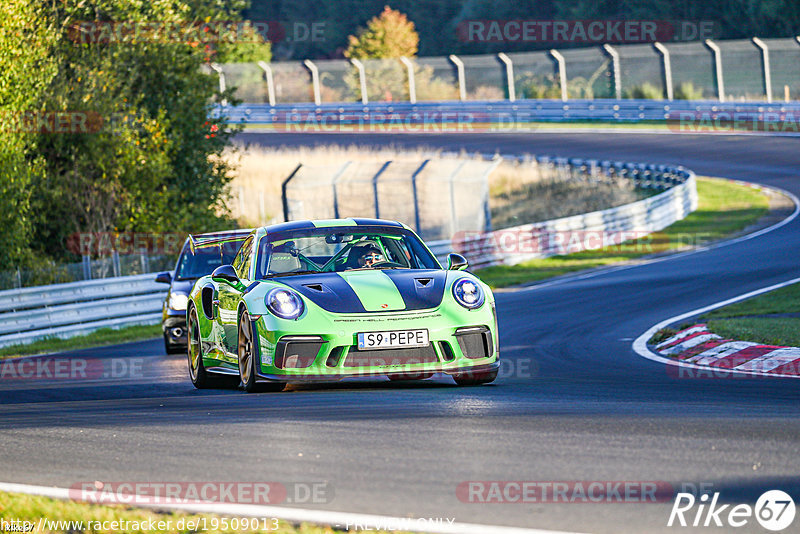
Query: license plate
x,y
397,339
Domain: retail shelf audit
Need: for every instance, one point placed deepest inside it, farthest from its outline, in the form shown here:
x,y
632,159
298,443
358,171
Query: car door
x,y
229,301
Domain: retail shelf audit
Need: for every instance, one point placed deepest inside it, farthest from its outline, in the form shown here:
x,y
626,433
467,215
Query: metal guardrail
x,y
503,115
567,235
66,310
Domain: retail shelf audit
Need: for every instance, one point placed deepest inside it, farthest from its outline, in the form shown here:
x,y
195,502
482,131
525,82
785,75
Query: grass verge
x,y
772,318
724,209
98,519
104,336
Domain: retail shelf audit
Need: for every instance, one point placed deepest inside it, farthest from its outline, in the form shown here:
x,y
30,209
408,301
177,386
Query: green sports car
x,y
310,301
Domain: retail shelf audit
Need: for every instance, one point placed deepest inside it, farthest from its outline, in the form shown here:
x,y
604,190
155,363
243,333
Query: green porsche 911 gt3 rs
x,y
311,301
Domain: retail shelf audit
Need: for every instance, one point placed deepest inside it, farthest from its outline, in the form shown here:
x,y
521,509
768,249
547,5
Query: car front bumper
x,y
464,343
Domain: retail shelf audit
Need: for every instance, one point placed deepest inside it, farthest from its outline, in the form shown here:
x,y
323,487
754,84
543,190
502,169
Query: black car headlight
x,y
468,293
284,303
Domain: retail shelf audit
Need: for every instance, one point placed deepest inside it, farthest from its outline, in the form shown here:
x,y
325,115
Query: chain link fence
x,y
439,197
89,269
689,71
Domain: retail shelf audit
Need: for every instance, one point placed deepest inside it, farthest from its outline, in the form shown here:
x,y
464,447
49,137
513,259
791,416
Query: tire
x,y
201,379
475,379
247,360
410,376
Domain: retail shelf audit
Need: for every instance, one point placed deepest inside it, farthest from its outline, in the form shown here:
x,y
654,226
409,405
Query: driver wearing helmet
x,y
370,257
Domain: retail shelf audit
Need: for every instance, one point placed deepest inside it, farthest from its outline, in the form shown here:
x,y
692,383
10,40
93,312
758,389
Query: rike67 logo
x,y
774,510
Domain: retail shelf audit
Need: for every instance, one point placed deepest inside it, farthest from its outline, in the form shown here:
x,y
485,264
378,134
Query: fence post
x,y
412,86
487,211
765,67
612,52
19,278
416,197
362,79
453,198
314,80
462,84
222,86
512,93
562,73
115,267
375,187
284,198
86,262
666,70
717,53
335,193
270,82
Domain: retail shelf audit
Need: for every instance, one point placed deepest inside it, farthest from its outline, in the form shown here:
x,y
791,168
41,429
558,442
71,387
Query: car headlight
x,y
468,293
284,303
178,301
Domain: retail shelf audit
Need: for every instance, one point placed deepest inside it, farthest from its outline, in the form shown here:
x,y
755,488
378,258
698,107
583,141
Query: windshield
x,y
341,249
204,260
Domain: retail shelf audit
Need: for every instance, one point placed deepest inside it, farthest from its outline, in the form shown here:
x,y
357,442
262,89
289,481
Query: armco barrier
x,y
66,310
684,115
567,235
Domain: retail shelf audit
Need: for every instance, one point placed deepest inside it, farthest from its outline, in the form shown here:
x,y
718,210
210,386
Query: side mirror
x,y
164,278
456,262
226,274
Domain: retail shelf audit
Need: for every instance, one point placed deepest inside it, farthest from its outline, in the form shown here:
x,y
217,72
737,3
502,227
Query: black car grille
x,y
390,357
296,354
475,342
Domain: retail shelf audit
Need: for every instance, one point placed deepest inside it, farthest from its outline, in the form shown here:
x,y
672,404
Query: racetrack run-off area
x,y
573,402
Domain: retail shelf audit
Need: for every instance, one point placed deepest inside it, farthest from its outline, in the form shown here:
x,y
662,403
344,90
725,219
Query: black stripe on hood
x,y
336,296
417,294
420,289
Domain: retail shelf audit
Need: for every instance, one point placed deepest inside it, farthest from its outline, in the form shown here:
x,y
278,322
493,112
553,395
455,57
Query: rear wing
x,y
220,238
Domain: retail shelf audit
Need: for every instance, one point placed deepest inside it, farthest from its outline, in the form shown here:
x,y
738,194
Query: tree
x,y
153,162
388,35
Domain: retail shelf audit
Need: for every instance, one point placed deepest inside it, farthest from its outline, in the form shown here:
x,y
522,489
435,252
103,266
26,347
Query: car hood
x,y
182,286
365,291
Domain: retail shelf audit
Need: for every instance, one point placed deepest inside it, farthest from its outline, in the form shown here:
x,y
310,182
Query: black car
x,y
193,263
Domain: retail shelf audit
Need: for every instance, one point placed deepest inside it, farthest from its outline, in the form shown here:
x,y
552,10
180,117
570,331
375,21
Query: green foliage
x,y
388,35
248,47
436,21
542,87
144,157
646,91
687,91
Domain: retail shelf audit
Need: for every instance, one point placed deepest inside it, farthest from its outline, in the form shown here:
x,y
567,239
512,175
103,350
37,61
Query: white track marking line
x,y
771,360
641,348
300,515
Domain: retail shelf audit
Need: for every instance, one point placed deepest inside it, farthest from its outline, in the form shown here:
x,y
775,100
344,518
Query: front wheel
x,y
247,360
470,378
201,379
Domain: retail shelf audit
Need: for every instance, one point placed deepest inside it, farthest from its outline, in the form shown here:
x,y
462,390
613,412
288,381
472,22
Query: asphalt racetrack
x,y
574,402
